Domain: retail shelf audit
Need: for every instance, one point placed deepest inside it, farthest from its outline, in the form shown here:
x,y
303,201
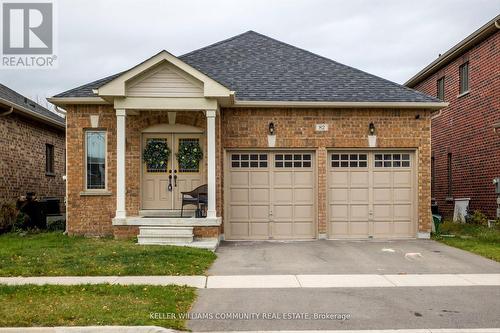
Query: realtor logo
x,y
28,35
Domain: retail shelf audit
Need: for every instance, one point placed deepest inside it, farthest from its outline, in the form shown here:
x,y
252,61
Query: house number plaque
x,y
321,127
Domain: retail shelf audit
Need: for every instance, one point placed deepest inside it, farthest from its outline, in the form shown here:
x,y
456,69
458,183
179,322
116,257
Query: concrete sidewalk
x,y
275,281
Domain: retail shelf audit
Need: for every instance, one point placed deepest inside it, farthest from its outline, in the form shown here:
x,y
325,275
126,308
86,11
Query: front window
x,y
49,159
95,160
450,176
464,78
440,88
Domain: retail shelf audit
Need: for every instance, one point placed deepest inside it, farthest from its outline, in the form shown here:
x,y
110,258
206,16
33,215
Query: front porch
x,y
151,198
171,107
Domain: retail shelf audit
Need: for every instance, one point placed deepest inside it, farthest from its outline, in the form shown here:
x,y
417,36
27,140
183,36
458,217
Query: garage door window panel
x,y
392,160
292,161
249,160
349,160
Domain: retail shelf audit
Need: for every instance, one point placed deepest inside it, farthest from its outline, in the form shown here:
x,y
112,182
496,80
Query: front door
x,y
162,184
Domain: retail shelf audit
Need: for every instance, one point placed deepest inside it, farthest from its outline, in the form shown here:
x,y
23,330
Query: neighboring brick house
x,y
32,149
286,148
466,134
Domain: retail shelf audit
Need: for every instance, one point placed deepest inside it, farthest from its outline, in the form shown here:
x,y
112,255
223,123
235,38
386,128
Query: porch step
x,y
187,213
162,235
166,231
210,244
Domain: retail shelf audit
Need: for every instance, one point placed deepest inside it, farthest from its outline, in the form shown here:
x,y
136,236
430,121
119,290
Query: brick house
x,y
32,149
295,146
466,135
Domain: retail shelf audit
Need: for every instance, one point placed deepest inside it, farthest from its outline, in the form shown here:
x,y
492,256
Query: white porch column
x,y
120,163
211,147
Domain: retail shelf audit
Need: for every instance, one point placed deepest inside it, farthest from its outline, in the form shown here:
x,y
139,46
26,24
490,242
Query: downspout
x,y
6,113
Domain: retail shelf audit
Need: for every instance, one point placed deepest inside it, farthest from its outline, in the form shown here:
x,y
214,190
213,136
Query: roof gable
x,y
117,86
164,81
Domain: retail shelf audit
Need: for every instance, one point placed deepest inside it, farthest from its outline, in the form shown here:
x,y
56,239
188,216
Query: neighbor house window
x,y
433,175
464,78
449,176
49,159
95,160
440,88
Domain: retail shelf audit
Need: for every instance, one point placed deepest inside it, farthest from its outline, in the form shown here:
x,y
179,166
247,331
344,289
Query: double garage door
x,y
273,195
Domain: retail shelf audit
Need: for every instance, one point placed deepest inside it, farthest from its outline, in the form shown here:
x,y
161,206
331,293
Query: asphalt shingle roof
x,y
260,68
14,97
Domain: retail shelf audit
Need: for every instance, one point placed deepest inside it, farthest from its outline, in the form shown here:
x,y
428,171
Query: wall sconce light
x,y
271,129
371,129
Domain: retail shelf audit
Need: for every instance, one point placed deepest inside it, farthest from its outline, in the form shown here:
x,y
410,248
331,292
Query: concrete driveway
x,y
347,257
417,307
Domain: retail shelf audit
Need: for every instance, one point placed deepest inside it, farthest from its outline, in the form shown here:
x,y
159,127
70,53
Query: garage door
x,y
371,194
270,195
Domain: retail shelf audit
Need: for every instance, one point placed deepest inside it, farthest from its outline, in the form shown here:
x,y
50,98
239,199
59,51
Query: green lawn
x,y
85,305
477,239
54,254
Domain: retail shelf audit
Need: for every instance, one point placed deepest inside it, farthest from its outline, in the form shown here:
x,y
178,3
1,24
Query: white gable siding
x,y
165,81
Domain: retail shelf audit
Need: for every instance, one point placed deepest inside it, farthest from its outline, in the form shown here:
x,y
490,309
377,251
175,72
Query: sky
x,y
393,39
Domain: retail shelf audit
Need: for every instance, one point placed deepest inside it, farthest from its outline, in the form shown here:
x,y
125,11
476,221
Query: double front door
x,y
162,183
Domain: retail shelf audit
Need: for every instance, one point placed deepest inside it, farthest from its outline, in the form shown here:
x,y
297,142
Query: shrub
x,y
450,227
8,215
476,218
56,225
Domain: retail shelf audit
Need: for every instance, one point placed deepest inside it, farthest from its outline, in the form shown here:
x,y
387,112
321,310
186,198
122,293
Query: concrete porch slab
x,y
167,221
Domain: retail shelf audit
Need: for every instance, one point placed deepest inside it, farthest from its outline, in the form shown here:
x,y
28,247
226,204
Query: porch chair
x,y
196,197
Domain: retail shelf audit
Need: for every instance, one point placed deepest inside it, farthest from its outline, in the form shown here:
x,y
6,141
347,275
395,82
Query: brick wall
x,y
465,130
22,159
238,128
92,214
295,128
